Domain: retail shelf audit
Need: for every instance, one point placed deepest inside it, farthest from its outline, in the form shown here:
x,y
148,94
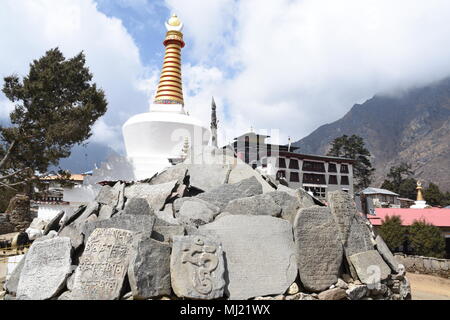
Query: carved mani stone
x,y
103,265
259,252
46,268
197,268
354,233
319,248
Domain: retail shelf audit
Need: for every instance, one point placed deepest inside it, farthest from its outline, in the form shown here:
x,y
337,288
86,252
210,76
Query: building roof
x,y
371,190
436,216
73,177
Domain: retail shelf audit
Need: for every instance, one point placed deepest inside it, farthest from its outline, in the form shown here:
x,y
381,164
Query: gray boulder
x,y
91,210
13,280
241,171
354,232
197,268
74,234
387,255
263,204
46,268
289,204
108,196
68,217
370,267
120,189
137,206
106,212
175,173
195,213
166,233
318,247
54,223
357,292
136,223
259,254
156,195
149,268
223,194
165,217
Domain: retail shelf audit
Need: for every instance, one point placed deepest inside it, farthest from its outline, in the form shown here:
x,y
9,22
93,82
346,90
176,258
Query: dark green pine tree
x,y
353,147
392,232
426,240
56,105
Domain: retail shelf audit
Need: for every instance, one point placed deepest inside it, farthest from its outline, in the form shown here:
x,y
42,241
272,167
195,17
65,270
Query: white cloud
x,y
30,27
300,64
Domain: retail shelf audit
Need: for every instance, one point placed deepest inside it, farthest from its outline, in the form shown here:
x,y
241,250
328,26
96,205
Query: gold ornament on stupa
x,y
419,191
170,89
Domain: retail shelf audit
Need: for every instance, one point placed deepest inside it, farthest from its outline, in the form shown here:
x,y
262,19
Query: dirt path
x,y
426,287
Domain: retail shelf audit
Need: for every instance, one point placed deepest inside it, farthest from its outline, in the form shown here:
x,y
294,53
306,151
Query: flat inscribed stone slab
x,y
370,267
386,253
46,268
197,268
149,269
318,247
354,233
259,254
103,265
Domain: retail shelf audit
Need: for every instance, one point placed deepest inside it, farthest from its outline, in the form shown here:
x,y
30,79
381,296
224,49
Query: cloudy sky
x,y
287,65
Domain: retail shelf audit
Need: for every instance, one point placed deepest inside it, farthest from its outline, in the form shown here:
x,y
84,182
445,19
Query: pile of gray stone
x,y
211,231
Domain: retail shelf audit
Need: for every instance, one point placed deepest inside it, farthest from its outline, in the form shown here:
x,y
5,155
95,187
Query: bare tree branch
x,y
7,186
7,155
13,174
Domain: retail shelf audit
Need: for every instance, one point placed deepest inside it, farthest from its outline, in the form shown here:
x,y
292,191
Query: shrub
x,y
426,239
392,232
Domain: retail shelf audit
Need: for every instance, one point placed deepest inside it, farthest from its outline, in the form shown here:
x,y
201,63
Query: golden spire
x,y
419,191
170,89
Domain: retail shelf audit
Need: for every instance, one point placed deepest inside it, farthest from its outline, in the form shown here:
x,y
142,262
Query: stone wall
x,y
425,265
19,212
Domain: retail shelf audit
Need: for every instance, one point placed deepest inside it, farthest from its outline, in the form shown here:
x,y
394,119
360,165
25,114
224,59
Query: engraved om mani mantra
x,y
203,257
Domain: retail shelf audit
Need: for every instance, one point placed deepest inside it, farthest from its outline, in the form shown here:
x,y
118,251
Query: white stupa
x,y
420,203
154,138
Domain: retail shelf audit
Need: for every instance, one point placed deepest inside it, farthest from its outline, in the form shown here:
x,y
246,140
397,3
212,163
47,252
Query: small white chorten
x,y
420,203
154,137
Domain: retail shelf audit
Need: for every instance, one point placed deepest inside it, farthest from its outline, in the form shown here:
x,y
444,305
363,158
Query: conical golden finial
x,y
170,89
419,191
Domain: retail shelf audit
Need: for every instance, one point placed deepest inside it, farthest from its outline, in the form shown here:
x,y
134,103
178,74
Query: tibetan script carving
x,y
103,265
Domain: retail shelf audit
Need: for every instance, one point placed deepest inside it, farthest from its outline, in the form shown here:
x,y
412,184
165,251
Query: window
x,y
344,180
247,151
281,174
313,166
332,167
317,191
344,168
294,177
264,162
332,180
314,178
293,164
281,163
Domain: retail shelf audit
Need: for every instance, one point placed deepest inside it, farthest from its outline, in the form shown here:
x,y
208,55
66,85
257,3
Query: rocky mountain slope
x,y
413,126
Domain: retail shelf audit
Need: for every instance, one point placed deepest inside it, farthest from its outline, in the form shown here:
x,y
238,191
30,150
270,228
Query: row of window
x,y
311,166
313,178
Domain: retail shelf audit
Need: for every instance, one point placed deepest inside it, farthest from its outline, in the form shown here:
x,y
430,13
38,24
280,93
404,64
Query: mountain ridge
x,y
413,127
